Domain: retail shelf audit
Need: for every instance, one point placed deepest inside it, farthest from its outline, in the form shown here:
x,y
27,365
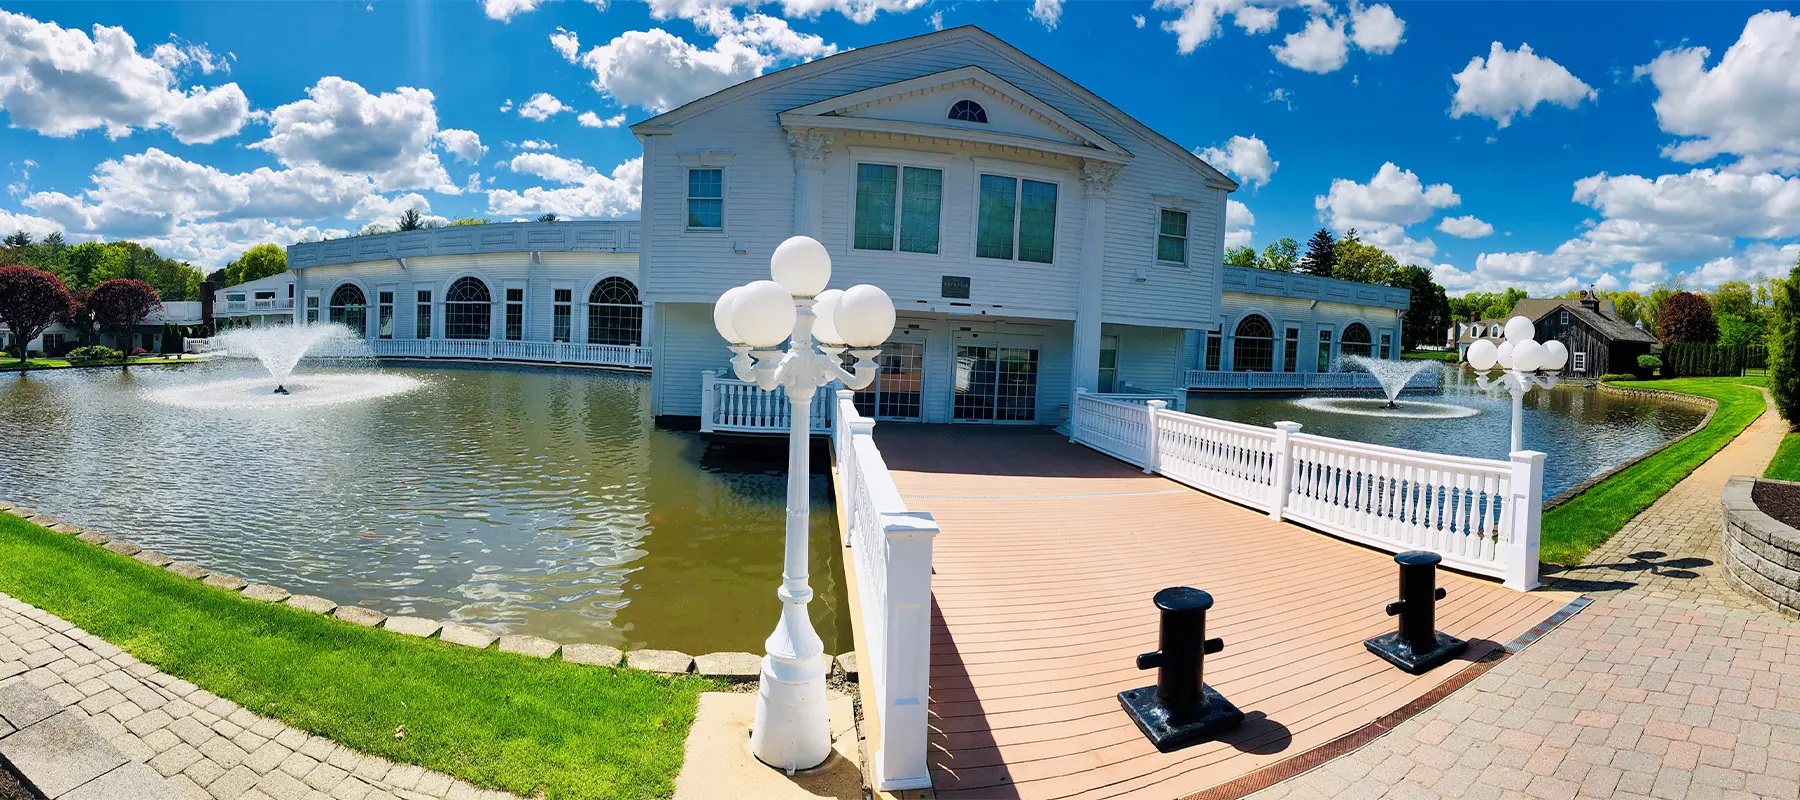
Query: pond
x,y
533,499
1584,432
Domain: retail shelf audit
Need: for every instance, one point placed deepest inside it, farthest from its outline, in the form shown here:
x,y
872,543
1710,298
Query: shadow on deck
x,y
1048,557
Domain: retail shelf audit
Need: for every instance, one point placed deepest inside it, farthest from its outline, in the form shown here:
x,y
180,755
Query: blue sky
x,y
1614,144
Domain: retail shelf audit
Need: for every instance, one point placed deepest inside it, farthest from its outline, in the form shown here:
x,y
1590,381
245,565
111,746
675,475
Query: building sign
x,y
954,286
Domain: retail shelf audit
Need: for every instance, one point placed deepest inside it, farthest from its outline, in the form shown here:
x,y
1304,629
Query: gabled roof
x,y
1610,326
966,33
840,110
1534,308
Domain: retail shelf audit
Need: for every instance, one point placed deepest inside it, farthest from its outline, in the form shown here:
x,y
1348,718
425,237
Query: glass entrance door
x,y
995,384
897,392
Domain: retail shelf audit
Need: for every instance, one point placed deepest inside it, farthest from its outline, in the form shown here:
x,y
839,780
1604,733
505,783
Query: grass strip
x,y
14,365
495,719
1432,355
1786,466
1573,529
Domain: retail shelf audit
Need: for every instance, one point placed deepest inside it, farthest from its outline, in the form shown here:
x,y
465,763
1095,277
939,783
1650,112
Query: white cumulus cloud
x,y
589,119
657,70
1321,46
1047,12
1513,82
1747,106
465,145
542,106
1465,227
60,82
342,127
1394,196
585,191
1245,157
1238,222
1375,29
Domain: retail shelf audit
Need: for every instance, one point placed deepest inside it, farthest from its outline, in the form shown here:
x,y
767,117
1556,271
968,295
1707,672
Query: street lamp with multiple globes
x,y
1524,362
791,730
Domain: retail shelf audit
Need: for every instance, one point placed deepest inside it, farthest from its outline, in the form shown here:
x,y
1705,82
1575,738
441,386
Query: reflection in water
x,y
543,501
1583,431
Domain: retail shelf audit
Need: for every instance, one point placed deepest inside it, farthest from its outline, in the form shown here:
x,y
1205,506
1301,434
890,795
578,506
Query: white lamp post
x,y
1525,361
792,730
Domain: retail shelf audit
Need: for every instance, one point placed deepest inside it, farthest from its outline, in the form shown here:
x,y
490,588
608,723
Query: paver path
x,y
206,746
1670,685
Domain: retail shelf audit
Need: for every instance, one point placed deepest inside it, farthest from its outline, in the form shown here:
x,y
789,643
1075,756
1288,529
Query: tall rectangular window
x,y
898,205
1325,351
515,314
1290,351
561,314
1171,237
384,314
1213,346
312,310
1387,346
1016,216
706,200
422,318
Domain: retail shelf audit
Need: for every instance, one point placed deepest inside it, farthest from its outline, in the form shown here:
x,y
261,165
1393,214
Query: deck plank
x,y
1048,556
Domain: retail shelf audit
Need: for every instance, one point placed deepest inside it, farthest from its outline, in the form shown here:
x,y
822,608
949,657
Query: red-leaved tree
x,y
121,304
31,300
1687,317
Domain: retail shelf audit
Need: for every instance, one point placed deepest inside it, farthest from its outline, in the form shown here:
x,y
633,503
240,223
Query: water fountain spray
x,y
1392,375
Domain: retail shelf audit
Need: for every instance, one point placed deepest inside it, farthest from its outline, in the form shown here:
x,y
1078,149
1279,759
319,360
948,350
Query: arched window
x,y
968,111
1253,346
468,310
350,308
614,314
1356,341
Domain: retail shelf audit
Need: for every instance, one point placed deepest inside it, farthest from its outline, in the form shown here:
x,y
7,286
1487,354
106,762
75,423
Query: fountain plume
x,y
1393,375
279,348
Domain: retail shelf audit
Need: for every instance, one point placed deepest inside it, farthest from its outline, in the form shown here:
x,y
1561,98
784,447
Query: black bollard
x,y
1180,709
1417,646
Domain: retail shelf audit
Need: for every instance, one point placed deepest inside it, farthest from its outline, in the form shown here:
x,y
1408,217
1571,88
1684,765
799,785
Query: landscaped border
x,y
1762,555
1711,406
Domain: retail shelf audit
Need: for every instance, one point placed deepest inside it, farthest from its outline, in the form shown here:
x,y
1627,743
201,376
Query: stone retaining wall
x,y
1762,555
1696,401
736,666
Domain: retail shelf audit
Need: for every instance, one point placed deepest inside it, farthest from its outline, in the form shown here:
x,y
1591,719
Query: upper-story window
x,y
1016,219
968,111
1172,237
706,200
898,205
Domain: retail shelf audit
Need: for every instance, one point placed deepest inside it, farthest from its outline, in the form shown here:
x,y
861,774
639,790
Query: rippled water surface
x,y
1582,431
540,500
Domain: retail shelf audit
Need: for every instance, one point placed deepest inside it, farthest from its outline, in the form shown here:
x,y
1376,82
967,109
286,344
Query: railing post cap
x,y
1157,403
908,525
1527,455
1080,390
1290,427
846,394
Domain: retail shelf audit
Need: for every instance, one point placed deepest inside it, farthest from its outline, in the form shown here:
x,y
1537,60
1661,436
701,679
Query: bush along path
x,y
1587,521
206,685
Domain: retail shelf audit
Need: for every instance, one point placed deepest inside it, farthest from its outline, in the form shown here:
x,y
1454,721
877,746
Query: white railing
x,y
613,355
1207,379
891,549
1481,515
728,405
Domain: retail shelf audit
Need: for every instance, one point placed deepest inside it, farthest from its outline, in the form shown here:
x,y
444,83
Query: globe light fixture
x,y
791,730
1525,363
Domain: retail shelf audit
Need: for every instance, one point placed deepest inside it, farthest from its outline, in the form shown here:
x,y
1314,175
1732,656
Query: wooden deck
x,y
1044,570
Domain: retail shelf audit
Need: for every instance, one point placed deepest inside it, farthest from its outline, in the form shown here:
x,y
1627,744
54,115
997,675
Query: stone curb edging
x,y
1696,401
732,666
1761,554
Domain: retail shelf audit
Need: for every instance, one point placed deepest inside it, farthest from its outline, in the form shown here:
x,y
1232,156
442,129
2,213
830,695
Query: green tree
x,y
1736,330
468,221
1280,256
1428,316
18,238
410,220
1784,347
1687,317
260,261
1363,263
1241,256
1630,305
1321,254
548,217
1734,297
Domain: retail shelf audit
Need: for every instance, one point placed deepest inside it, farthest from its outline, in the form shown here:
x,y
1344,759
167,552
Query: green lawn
x,y
1432,355
1578,526
495,719
1786,466
14,365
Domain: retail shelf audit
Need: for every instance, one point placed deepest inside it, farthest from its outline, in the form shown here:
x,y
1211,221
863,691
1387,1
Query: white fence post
x,y
1527,506
707,403
1284,467
1075,414
900,763
1152,407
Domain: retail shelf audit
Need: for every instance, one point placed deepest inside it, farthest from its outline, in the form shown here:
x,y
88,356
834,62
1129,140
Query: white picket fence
x,y
1481,515
1206,379
614,355
891,548
729,405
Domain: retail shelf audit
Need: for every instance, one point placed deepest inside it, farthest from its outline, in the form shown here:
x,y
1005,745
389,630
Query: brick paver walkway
x,y
208,748
1669,685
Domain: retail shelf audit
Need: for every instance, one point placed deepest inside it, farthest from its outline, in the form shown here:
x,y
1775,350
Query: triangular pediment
x,y
925,102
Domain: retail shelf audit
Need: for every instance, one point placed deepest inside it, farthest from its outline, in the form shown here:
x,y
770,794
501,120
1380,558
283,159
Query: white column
x,y
1096,185
299,296
1284,468
1527,501
811,147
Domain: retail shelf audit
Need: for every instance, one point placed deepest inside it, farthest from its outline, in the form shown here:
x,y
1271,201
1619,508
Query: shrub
x,y
1647,361
93,352
1617,376
1702,360
1784,348
139,352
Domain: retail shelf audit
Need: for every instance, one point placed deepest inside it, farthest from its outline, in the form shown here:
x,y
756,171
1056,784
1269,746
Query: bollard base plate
x,y
1401,654
1173,732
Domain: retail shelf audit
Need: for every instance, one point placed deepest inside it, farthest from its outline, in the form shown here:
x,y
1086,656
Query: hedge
x,y
1703,360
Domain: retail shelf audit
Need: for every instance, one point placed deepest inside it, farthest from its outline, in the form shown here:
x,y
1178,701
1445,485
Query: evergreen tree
x,y
410,220
1321,254
1784,347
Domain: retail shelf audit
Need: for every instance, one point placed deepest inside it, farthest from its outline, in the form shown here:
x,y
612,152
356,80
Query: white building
x,y
264,301
1294,322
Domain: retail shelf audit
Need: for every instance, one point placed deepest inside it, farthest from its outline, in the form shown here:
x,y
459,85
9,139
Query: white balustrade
x,y
1482,515
891,549
729,405
1290,381
510,350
